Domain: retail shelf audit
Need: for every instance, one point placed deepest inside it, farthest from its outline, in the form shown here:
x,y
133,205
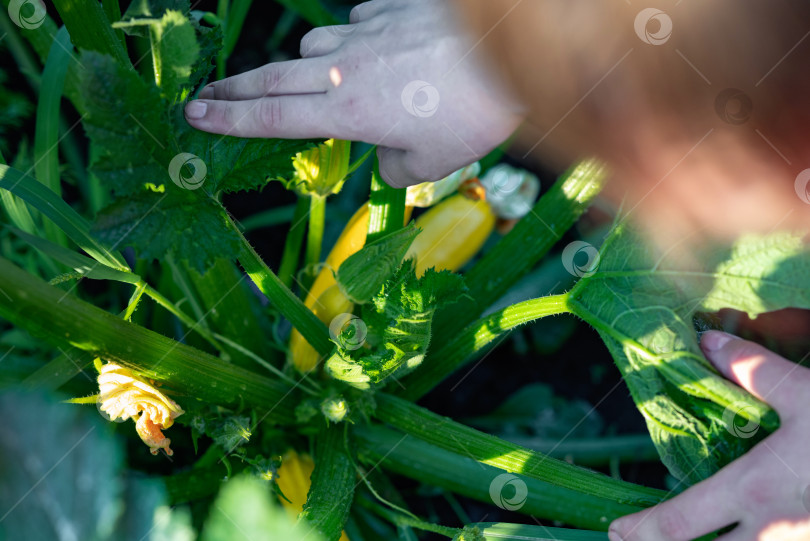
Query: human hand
x,y
402,76
767,491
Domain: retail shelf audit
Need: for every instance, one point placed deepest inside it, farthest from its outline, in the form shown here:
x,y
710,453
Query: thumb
x,y
766,375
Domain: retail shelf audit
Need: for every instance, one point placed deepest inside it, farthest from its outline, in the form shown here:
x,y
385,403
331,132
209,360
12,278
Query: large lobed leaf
x,y
139,133
642,304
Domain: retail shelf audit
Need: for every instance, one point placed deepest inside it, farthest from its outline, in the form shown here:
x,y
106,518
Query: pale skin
x,y
352,84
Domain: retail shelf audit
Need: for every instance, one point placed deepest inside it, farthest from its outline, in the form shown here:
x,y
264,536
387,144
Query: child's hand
x,y
767,491
402,76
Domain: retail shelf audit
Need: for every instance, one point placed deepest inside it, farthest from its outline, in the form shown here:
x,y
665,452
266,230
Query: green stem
x,y
463,347
278,373
399,519
292,246
455,437
63,320
271,218
386,210
290,306
222,57
158,297
459,473
317,222
517,252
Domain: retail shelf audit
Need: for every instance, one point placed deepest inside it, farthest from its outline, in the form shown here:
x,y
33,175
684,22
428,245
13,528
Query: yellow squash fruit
x,y
452,233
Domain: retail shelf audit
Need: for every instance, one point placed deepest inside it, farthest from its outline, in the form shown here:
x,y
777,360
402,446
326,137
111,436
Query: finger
x,y
740,533
292,117
766,375
367,10
701,509
306,76
397,167
324,40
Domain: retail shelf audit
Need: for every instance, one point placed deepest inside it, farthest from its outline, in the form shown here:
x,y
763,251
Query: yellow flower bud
x,y
321,170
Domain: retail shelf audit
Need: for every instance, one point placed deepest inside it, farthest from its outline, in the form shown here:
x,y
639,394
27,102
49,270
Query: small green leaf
x,y
399,322
363,274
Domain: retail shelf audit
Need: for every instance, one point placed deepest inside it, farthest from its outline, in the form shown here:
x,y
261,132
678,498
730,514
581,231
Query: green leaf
x,y
194,229
91,30
235,164
62,214
79,263
126,120
61,474
642,304
364,273
399,322
174,51
245,511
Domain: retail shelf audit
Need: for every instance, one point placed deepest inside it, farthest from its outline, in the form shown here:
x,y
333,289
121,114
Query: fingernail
x,y
714,340
196,109
207,93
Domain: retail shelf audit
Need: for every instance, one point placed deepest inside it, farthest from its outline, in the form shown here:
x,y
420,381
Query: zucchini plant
x,y
306,398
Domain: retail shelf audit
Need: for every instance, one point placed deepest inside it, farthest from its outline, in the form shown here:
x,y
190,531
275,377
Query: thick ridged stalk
x,y
464,346
452,436
458,472
333,482
64,321
386,207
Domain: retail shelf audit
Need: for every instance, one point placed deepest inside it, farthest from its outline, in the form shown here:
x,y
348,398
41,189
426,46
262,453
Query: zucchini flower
x,y
428,194
321,170
123,395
